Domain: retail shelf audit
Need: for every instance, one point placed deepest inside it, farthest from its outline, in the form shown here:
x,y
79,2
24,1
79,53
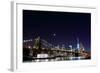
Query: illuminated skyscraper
x,y
78,46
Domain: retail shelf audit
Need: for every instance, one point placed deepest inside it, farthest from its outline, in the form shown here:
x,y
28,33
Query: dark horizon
x,y
58,27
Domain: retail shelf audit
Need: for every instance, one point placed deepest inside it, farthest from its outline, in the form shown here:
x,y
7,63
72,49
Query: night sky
x,y
58,27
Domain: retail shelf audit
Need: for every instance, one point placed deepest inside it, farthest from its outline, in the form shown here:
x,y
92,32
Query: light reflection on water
x,y
76,58
62,59
57,59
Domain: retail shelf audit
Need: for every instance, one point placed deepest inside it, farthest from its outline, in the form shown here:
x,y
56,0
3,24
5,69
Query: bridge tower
x,y
37,43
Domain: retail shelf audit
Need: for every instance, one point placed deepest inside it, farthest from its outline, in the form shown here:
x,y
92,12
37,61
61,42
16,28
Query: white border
x,y
17,63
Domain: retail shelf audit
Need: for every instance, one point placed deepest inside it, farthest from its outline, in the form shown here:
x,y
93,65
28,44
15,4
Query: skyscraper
x,y
78,46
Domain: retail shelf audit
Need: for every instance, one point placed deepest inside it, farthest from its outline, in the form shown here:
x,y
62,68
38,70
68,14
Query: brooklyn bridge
x,y
38,50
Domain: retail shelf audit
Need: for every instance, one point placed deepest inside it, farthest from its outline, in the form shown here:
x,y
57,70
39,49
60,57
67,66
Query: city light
x,y
62,52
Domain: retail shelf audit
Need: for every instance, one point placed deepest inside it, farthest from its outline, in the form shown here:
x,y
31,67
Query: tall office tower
x,y
78,45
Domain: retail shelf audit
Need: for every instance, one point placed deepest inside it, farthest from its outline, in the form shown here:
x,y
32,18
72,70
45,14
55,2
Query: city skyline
x,y
58,27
